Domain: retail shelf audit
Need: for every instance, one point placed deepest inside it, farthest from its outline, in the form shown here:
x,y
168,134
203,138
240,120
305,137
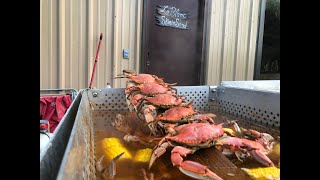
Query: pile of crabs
x,y
187,130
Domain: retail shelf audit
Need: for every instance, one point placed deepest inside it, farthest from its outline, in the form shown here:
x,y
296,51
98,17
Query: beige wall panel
x,y
70,30
242,49
231,40
48,43
69,36
44,39
214,40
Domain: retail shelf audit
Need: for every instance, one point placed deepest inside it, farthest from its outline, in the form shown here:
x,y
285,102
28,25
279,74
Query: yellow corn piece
x,y
276,149
265,173
143,155
113,147
230,131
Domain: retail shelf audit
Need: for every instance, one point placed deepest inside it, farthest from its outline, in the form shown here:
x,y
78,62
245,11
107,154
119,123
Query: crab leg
x,y
157,152
255,149
99,166
132,90
191,168
234,126
129,71
136,98
261,157
111,171
139,106
204,118
147,113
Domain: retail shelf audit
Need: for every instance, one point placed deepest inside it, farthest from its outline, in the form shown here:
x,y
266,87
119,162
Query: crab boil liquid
x,y
131,165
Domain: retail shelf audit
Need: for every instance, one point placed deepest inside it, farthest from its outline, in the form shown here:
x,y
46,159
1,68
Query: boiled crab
x,y
183,114
246,146
167,100
150,88
136,92
176,114
186,139
204,117
265,139
140,78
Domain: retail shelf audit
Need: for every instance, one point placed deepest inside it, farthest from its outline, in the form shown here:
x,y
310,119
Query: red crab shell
x,y
253,145
151,88
165,100
197,133
204,116
176,113
255,149
142,78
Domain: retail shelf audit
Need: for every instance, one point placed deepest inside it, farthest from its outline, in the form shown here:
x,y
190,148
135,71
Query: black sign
x,y
172,17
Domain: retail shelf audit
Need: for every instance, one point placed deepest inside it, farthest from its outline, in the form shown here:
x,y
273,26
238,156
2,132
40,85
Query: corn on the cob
x,y
143,155
113,147
229,131
265,173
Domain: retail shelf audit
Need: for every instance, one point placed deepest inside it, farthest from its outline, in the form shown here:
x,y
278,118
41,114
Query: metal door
x,y
173,40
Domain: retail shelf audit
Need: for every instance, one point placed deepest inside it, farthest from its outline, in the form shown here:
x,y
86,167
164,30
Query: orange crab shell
x,y
165,100
176,113
144,78
152,88
197,133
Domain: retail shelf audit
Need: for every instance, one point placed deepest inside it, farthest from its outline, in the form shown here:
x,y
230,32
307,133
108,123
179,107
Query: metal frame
x,y
257,65
268,85
260,106
72,91
51,156
79,154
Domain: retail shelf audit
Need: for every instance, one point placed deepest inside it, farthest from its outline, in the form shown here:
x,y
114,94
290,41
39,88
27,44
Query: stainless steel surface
x,y
79,158
267,85
108,99
73,92
77,162
114,98
51,155
199,95
251,105
95,94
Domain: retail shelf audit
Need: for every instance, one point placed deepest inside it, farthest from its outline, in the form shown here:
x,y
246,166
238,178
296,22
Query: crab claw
x,y
253,133
157,152
198,171
261,157
234,126
129,71
257,151
191,168
147,113
267,141
99,166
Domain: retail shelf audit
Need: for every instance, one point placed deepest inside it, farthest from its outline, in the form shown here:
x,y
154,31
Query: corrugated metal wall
x,y
231,46
69,37
70,29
